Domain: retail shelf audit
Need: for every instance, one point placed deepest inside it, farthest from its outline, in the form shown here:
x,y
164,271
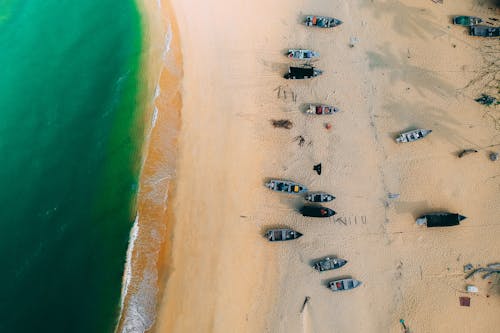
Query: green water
x,y
69,149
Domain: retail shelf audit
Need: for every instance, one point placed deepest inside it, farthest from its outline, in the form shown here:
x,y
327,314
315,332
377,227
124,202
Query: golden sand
x,y
410,68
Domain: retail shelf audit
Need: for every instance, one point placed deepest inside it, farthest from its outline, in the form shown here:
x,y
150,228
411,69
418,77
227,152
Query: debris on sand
x,y
328,126
405,328
300,139
317,168
464,301
493,156
393,195
487,100
306,300
466,152
282,123
468,268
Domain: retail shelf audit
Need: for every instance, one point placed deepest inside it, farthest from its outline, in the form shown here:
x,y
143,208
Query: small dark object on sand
x,y
464,301
328,126
493,156
468,268
282,123
466,152
406,328
306,300
300,139
317,168
487,100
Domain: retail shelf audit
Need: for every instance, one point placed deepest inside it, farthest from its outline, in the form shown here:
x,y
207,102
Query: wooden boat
x,y
328,263
467,21
317,211
319,197
281,235
414,135
306,72
321,21
285,186
319,109
301,54
484,31
343,284
441,219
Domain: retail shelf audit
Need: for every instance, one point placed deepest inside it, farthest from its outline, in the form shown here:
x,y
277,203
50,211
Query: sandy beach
x,y
409,68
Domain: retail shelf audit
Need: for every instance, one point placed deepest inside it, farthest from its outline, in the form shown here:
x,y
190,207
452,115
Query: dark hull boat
x,y
343,284
321,21
440,219
285,186
319,109
317,211
281,235
467,21
328,263
484,31
319,197
297,73
414,135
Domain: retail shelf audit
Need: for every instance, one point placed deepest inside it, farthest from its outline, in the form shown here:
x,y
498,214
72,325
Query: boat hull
x,y
281,235
329,263
286,186
321,21
412,136
301,54
319,197
443,219
343,284
321,109
467,21
317,211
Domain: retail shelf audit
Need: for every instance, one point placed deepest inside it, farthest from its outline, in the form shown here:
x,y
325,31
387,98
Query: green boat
x,y
467,21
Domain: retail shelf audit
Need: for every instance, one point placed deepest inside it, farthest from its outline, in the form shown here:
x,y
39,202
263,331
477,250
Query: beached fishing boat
x,y
414,135
321,109
281,235
305,72
328,263
285,186
317,211
467,21
321,21
343,284
441,219
301,54
484,31
319,197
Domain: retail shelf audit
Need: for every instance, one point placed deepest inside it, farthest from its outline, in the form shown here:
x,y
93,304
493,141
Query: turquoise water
x,y
69,146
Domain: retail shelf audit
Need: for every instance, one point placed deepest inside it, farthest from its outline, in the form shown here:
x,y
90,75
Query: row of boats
x,y
311,210
285,234
308,71
476,29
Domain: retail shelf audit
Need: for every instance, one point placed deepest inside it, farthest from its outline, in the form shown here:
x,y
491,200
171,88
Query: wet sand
x,y
411,68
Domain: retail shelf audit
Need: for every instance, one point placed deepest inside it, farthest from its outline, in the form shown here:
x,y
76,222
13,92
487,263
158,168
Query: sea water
x,y
70,137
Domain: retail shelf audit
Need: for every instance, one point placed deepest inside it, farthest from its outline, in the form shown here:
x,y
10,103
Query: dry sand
x,y
410,68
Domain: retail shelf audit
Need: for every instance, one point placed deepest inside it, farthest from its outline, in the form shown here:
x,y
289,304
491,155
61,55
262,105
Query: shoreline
x,y
215,270
162,73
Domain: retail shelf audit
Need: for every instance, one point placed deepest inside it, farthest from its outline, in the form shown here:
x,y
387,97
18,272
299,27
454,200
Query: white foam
x,y
127,274
155,117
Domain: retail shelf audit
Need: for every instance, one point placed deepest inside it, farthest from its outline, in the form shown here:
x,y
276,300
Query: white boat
x,y
301,54
321,109
414,135
343,284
